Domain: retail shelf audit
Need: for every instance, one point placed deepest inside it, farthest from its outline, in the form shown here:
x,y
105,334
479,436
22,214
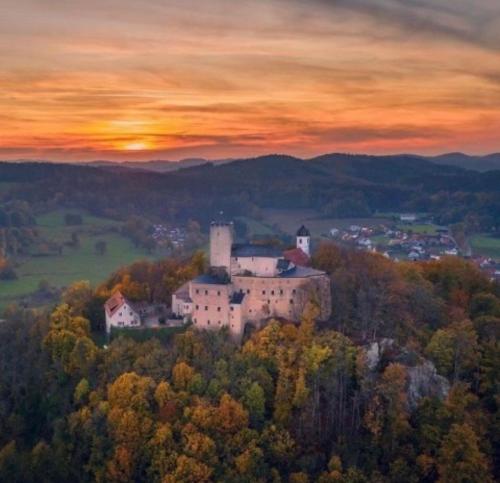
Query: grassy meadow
x,y
486,245
81,263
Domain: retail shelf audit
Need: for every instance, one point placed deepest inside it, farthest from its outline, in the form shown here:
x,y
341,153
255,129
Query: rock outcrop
x,y
423,379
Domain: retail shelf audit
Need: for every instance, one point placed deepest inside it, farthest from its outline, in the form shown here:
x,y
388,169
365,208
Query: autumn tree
x,y
460,459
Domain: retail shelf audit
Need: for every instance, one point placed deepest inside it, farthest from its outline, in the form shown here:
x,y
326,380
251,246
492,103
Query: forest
x,y
334,185
400,385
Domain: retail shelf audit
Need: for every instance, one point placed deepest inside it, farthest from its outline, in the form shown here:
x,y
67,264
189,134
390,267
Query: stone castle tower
x,y
304,240
221,241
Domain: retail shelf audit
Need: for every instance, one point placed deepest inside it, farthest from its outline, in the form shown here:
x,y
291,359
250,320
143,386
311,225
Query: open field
x,y
290,220
81,263
256,227
51,225
486,245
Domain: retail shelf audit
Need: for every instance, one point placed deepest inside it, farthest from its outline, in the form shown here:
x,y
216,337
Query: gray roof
x,y
209,279
301,272
251,250
183,291
283,264
237,298
303,231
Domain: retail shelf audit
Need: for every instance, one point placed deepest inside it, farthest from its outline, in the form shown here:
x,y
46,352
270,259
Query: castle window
x,y
291,301
208,322
218,292
263,292
206,307
272,292
206,292
197,290
195,321
218,309
294,291
232,309
248,290
281,291
220,322
300,241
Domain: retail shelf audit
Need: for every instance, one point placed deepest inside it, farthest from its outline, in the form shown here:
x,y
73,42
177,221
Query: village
x,y
403,241
413,238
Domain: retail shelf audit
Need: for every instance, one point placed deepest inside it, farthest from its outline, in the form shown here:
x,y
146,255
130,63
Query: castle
x,y
249,283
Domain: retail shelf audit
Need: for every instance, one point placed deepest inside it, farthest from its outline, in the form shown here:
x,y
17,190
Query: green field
x,y
485,245
257,228
75,263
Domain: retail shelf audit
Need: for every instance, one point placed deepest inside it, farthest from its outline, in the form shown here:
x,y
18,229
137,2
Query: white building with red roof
x,y
120,312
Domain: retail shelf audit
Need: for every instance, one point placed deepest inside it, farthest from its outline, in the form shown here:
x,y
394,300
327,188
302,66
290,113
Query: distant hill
x,y
335,185
159,166
343,161
477,163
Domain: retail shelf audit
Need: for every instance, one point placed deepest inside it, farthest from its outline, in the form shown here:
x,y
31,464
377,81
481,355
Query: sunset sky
x,y
169,79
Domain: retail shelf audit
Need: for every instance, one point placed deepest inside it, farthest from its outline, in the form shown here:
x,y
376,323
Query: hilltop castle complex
x,y
249,283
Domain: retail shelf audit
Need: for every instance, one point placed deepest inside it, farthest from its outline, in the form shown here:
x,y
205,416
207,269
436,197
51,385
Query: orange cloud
x,y
122,79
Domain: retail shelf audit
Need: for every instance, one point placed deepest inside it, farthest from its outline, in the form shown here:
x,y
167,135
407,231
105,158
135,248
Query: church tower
x,y
221,241
304,240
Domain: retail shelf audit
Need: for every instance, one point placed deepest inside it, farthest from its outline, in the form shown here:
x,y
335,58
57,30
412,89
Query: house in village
x,y
249,283
120,312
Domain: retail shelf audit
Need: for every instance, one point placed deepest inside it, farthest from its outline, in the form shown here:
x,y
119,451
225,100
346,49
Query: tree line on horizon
x,y
356,186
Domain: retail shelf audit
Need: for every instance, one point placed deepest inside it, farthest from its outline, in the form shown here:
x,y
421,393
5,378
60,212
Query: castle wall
x,y
210,308
260,266
274,296
236,320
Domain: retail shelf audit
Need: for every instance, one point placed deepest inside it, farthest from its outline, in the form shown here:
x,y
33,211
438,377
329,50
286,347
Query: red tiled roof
x,y
297,256
114,303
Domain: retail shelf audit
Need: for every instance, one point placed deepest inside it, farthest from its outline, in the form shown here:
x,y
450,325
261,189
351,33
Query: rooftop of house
x,y
183,291
208,279
237,298
301,272
297,256
253,250
303,231
283,264
114,303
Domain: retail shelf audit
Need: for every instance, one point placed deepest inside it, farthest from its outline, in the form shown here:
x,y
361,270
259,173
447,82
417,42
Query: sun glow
x,y
136,146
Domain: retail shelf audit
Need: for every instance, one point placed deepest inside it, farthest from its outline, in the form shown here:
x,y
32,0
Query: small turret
x,y
304,240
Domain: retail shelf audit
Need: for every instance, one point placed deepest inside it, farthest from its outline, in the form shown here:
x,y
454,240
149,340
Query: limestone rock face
x,y
374,351
424,381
